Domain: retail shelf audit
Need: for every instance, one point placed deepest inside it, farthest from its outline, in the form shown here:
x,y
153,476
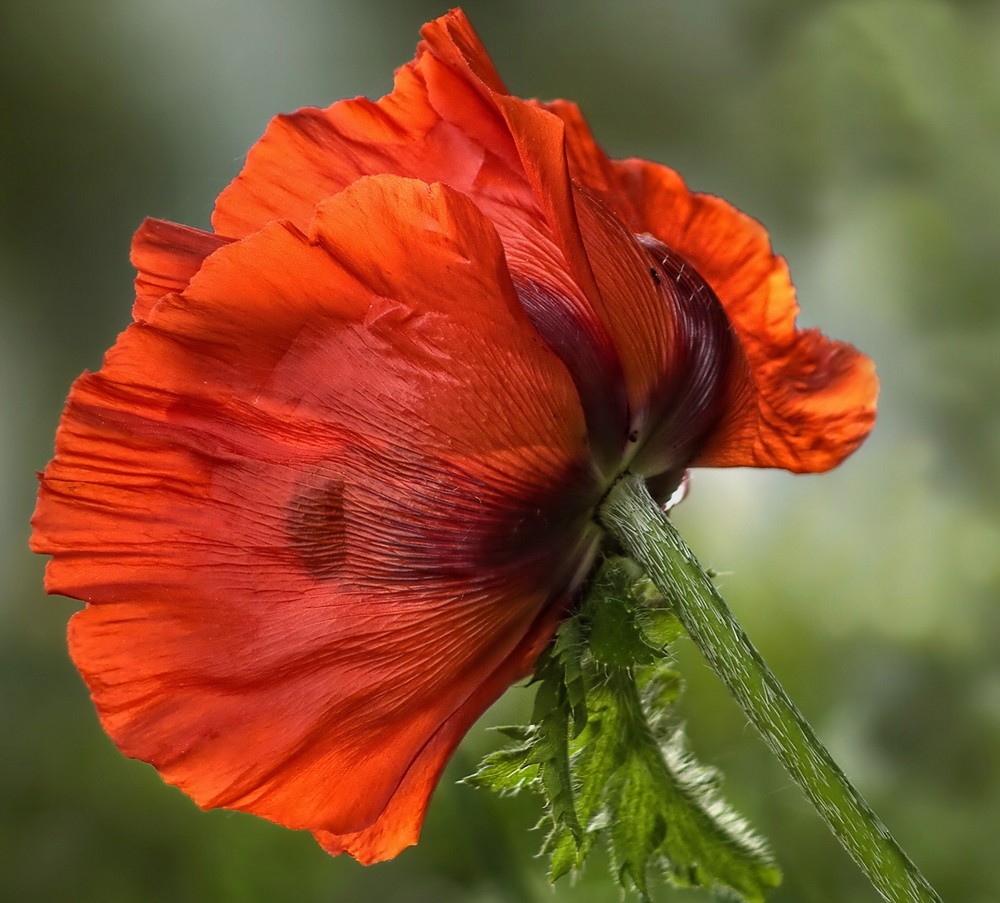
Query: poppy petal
x,y
812,398
602,257
310,569
675,345
808,401
588,163
439,124
166,256
644,323
399,825
449,119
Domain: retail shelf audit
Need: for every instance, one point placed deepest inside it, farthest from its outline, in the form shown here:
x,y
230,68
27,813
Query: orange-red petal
x,y
323,512
808,401
399,825
449,119
805,402
166,257
813,399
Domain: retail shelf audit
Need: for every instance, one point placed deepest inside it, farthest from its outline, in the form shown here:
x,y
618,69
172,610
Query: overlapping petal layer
x,y
808,401
805,402
166,257
327,503
449,119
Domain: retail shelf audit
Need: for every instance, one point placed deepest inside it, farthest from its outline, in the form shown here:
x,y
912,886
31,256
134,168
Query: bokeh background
x,y
864,133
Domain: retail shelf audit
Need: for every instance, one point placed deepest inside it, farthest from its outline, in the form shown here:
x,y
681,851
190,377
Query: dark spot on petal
x,y
633,436
315,528
655,275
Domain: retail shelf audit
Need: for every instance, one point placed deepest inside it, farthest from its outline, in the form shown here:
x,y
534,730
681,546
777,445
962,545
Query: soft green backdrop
x,y
864,133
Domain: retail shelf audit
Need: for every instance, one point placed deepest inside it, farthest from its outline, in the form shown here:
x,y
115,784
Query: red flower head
x,y
332,491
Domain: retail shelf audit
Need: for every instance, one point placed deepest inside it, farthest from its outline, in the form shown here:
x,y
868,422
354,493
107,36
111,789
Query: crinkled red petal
x,y
166,257
399,825
807,401
322,511
449,119
814,398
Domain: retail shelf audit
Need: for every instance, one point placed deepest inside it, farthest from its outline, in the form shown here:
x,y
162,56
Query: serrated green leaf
x,y
613,633
562,848
706,842
518,732
605,753
637,827
597,755
660,686
553,724
568,651
506,771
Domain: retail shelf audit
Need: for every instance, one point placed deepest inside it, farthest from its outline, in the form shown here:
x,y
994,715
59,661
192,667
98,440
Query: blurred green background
x,y
865,135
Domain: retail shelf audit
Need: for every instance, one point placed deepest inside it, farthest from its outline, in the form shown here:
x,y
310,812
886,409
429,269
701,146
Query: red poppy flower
x,y
332,491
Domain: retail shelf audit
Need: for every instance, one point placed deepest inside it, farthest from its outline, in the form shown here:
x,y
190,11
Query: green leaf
x,y
569,650
671,814
637,827
609,612
605,752
507,771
